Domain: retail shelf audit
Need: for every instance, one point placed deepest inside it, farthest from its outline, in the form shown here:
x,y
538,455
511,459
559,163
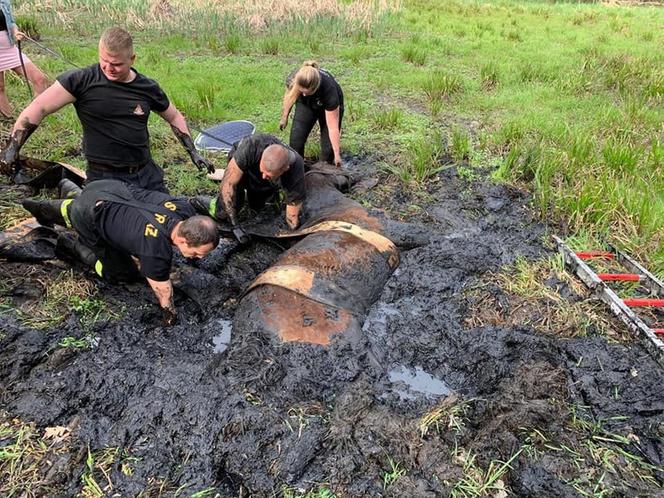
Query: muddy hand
x,y
9,156
169,317
202,163
241,236
282,124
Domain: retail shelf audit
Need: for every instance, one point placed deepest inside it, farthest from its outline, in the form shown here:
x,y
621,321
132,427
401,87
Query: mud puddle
x,y
414,405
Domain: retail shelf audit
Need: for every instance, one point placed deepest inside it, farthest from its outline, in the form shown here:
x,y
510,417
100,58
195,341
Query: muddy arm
x,y
181,131
51,100
228,190
48,102
164,293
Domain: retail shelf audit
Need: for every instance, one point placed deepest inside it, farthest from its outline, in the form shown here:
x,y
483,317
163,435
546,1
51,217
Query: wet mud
x,y
216,403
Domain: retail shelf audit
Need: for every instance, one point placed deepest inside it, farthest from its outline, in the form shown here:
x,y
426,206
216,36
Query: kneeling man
x,y
258,166
126,232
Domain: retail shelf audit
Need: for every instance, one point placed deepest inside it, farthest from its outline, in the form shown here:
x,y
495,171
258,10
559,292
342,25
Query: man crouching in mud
x,y
126,232
258,165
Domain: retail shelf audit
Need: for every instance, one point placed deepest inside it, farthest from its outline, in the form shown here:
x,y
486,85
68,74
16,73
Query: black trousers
x,y
150,176
112,264
303,121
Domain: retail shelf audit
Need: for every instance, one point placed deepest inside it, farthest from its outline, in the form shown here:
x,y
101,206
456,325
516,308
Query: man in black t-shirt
x,y
113,102
259,165
126,232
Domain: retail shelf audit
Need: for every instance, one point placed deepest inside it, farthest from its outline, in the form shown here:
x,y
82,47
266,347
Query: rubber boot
x,y
47,213
202,204
68,189
72,248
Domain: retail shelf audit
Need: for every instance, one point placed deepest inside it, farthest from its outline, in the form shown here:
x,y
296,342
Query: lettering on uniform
x,y
138,110
160,218
170,206
150,230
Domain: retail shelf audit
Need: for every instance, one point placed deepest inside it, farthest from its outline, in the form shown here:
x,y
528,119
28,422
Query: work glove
x,y
241,236
169,317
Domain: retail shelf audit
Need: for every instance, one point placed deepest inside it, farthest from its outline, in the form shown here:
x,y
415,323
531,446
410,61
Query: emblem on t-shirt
x,y
139,110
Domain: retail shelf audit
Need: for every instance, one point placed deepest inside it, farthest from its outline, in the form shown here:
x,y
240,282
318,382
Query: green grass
x,y
569,96
394,472
477,482
616,466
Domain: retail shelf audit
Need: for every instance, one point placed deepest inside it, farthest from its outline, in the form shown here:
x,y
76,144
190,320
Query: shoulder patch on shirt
x,y
138,111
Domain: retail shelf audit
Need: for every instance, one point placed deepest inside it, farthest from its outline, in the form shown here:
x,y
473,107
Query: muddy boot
x,y
68,189
47,213
72,248
208,206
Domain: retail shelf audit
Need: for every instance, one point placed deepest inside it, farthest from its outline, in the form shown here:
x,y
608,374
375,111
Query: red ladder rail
x,y
620,277
595,255
638,302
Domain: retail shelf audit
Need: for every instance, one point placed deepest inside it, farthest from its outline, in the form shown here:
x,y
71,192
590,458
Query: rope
x,y
25,73
50,51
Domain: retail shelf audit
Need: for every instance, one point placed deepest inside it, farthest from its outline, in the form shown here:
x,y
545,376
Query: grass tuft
x,y
440,84
388,119
414,55
489,75
232,42
270,45
460,146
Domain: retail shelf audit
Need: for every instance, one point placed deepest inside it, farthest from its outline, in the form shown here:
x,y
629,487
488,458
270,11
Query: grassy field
x,y
566,99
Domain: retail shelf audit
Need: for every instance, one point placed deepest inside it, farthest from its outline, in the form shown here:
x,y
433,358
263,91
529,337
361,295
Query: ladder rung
x,y
595,255
640,302
623,277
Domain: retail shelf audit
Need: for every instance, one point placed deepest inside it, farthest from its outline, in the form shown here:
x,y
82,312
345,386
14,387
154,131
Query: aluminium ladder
x,y
597,282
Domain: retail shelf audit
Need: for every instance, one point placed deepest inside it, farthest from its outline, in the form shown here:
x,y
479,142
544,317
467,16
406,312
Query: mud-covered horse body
x,y
323,285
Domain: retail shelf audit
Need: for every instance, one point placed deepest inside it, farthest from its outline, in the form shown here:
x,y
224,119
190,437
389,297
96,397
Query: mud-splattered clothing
x,y
112,227
311,109
247,154
114,115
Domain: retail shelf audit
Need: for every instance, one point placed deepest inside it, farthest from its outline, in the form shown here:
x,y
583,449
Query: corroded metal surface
x,y
323,285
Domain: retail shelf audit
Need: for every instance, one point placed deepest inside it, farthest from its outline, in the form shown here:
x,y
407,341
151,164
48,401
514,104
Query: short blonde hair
x,y
117,41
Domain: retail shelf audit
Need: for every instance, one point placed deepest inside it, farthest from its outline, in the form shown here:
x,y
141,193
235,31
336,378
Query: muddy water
x,y
249,415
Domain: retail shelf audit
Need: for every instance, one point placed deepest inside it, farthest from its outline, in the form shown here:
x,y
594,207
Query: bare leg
x,y
35,77
5,106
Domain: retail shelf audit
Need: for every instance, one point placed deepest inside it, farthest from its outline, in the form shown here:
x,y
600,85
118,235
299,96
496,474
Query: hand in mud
x,y
282,124
202,163
241,236
169,317
9,155
337,162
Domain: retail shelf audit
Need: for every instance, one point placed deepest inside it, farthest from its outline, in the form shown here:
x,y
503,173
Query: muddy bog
x,y
377,357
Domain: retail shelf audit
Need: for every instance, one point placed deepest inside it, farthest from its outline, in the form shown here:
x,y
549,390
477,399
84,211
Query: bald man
x,y
259,165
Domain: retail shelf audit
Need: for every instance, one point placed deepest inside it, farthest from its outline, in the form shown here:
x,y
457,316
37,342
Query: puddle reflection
x,y
223,339
416,379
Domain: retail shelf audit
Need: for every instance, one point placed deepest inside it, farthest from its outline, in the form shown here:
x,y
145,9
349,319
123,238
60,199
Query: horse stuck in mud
x,y
347,355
